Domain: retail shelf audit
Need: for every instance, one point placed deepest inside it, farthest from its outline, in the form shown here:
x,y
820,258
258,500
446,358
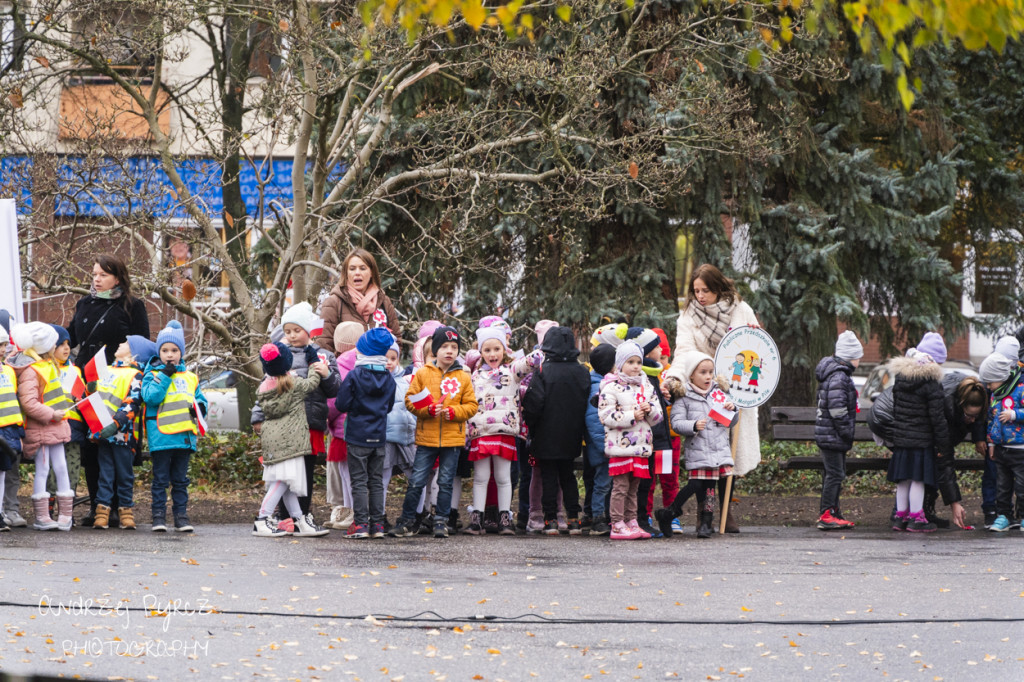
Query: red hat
x,y
665,349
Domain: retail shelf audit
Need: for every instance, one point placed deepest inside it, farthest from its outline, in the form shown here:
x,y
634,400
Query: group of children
x,y
493,413
147,390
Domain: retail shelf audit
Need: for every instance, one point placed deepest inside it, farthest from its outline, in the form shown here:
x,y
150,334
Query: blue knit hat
x,y
142,349
62,334
376,341
276,359
172,333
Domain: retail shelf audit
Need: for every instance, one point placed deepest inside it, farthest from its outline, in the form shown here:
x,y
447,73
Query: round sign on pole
x,y
749,359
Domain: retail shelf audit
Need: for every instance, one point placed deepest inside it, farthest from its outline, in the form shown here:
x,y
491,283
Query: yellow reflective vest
x,y
10,409
53,390
175,412
64,372
115,387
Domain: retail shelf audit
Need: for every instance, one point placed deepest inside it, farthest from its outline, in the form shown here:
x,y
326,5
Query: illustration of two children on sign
x,y
748,364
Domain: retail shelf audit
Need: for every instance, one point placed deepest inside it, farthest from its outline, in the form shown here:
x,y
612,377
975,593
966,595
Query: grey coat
x,y
707,449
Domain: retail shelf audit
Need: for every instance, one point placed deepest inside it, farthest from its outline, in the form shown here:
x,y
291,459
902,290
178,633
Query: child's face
x,y
633,366
61,352
492,352
855,363
702,376
655,355
447,353
123,352
993,385
3,350
739,358
295,336
170,354
392,362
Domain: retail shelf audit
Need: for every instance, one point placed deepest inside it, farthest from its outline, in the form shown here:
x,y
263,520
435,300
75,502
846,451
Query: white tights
x,y
276,491
46,457
502,477
910,496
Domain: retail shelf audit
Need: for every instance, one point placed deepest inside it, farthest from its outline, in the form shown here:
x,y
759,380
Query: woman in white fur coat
x,y
713,307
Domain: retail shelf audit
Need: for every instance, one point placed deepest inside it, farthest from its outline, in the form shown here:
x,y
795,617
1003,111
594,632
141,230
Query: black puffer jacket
x,y
919,406
837,405
555,405
662,434
102,322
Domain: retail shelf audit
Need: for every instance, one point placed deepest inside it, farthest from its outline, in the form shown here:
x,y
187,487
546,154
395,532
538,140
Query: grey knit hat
x,y
848,347
996,368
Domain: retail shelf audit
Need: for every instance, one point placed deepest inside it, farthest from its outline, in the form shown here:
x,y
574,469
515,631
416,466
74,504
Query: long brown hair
x,y
366,257
970,393
720,285
112,265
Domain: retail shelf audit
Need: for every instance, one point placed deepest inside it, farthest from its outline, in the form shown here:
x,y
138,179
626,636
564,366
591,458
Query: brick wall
x,y
958,350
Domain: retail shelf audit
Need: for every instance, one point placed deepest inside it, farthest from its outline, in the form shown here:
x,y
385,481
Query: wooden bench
x,y
797,424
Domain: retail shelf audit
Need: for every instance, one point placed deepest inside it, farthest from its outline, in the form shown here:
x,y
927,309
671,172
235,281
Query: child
x,y
339,482
602,362
400,449
121,391
442,398
628,408
495,426
669,482
366,397
920,428
297,324
172,397
70,374
706,450
836,424
1006,433
284,437
42,400
12,424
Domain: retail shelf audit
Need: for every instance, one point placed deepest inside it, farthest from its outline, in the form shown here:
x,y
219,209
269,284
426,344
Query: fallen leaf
x,y
634,170
631,608
283,24
494,651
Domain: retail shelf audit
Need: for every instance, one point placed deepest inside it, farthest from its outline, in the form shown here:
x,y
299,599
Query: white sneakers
x,y
341,518
306,527
265,528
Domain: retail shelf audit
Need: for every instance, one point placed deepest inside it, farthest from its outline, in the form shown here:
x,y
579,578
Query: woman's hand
x,y
959,516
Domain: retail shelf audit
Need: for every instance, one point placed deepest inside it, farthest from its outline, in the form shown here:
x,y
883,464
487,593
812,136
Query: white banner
x,y
10,262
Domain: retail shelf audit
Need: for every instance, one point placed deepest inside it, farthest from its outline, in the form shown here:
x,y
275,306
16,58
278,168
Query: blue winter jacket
x,y
836,424
154,388
1011,433
366,396
401,422
595,429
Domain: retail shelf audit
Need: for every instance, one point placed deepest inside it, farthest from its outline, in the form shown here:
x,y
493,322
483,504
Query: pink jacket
x,y
336,420
39,427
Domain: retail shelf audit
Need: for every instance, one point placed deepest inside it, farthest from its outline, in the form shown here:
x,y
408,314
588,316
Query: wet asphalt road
x,y
770,603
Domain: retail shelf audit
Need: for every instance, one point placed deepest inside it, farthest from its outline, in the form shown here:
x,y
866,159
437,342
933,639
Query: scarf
x,y
365,303
711,321
377,362
108,295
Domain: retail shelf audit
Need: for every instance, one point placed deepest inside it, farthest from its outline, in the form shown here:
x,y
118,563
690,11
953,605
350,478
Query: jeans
x,y
602,481
115,466
834,462
366,467
988,485
170,467
422,471
559,474
1009,479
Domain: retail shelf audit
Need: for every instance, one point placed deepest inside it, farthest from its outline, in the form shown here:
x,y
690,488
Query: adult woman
x,y
712,308
965,403
357,297
104,319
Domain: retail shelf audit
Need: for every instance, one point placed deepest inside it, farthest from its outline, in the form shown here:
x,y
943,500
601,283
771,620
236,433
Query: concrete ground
x,y
770,603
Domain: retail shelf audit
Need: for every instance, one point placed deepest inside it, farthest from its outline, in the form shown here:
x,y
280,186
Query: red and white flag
x,y
718,411
96,369
72,384
663,461
95,413
318,328
200,420
422,400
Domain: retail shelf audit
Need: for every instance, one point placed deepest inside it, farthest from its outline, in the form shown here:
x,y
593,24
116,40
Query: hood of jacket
x,y
20,361
829,366
374,382
914,371
560,345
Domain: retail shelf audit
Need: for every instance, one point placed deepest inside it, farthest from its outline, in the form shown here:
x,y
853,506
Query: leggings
x,y
47,456
624,498
305,501
502,475
704,489
910,496
278,491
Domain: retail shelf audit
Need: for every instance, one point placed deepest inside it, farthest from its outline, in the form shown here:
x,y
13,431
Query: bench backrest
x,y
797,423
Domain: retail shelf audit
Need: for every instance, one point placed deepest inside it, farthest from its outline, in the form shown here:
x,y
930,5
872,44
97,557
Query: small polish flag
x,y
72,384
422,400
318,328
200,421
663,461
95,413
96,369
718,411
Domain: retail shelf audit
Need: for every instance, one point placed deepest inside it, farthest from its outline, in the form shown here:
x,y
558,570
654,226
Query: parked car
x,y
222,396
881,378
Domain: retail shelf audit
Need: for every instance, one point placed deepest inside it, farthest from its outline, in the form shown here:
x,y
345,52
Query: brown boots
x,y
127,515
102,520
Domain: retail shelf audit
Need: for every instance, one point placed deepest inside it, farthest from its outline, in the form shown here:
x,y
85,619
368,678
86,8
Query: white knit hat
x,y
4,336
1008,347
848,347
625,351
35,336
688,361
996,368
487,333
301,314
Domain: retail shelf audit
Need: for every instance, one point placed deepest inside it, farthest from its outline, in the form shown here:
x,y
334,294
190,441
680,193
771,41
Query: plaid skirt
x,y
710,474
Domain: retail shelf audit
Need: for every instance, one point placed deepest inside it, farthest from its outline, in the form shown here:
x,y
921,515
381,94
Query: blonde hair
x,y
285,383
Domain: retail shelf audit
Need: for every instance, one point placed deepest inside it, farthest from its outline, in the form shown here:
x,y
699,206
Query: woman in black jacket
x,y
965,402
104,319
555,408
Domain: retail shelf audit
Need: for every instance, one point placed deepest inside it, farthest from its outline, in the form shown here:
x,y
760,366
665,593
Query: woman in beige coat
x,y
357,297
713,307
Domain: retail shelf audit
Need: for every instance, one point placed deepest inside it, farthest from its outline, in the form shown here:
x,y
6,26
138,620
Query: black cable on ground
x,y
434,618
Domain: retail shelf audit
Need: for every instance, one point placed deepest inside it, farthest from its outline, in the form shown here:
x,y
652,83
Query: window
x,y
994,277
127,37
